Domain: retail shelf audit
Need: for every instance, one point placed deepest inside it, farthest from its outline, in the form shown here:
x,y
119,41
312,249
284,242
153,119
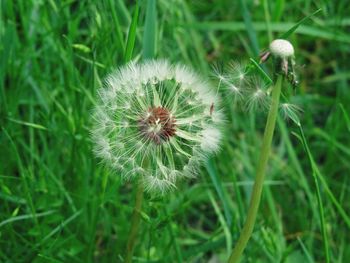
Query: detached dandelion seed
x,y
291,111
233,81
257,96
156,122
238,72
219,75
234,90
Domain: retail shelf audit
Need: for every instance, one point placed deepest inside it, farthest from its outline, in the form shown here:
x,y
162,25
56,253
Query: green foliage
x,y
58,204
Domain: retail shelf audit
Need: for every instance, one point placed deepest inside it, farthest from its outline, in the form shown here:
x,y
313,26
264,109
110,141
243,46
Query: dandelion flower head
x,y
156,122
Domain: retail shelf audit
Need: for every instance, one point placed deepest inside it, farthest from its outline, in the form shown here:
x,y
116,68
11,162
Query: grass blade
x,y
346,116
130,43
315,174
119,36
250,27
29,124
24,217
291,30
278,10
219,189
261,71
61,226
222,221
149,37
311,31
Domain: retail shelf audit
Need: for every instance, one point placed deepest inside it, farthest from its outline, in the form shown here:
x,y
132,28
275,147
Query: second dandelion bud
x,y
156,122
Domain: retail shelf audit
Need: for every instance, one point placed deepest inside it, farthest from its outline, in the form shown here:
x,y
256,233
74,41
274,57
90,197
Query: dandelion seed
x,y
291,111
237,71
234,90
257,100
235,80
257,96
218,73
158,123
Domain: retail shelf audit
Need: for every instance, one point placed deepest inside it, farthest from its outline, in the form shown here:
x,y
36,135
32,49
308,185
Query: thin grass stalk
x,y
316,174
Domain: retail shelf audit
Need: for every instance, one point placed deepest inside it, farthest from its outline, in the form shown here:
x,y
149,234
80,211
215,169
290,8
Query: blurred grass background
x,y
57,204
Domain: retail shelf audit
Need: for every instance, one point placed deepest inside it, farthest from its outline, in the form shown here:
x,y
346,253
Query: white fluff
x,y
210,139
125,104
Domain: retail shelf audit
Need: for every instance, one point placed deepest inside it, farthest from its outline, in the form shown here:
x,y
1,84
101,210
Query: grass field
x,y
58,204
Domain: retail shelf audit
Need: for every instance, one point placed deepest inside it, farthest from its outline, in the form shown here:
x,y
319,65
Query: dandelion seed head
x,y
155,122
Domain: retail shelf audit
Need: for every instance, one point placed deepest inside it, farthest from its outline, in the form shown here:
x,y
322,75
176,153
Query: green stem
x,y
260,174
135,222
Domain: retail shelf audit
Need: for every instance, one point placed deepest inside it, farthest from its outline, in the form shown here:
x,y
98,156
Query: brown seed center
x,y
157,124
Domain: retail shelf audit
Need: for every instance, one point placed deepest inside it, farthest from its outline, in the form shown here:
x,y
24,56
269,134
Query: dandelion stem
x,y
260,174
135,222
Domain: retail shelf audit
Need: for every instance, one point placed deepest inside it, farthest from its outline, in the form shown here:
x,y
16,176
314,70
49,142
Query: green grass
x,y
58,204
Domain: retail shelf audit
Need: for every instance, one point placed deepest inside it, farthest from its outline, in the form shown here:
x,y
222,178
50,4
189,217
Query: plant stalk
x,y
135,222
260,174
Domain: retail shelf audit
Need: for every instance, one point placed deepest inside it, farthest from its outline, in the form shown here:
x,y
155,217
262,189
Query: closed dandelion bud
x,y
283,52
156,122
281,48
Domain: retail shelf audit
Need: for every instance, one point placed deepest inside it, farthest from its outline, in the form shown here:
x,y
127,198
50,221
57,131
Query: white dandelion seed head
x,y
281,48
156,122
184,75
